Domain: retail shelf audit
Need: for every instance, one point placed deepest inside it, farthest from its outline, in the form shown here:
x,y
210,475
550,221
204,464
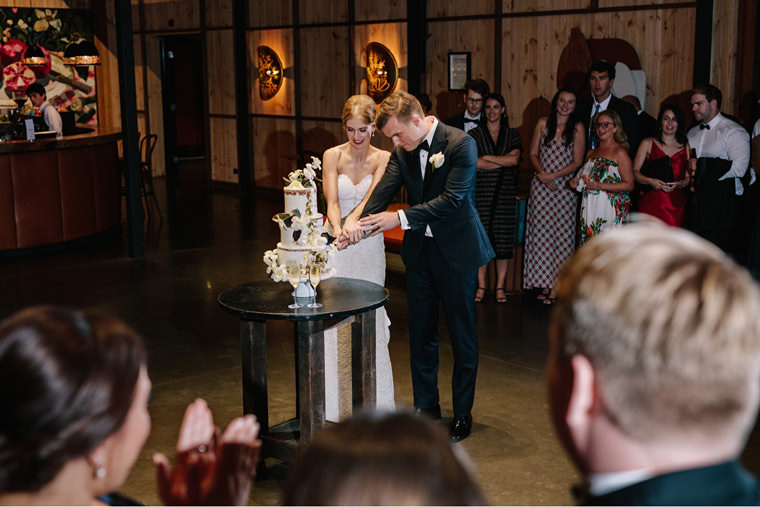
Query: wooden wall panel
x,y
368,10
448,8
545,5
155,100
322,11
107,73
171,15
221,92
324,70
139,72
136,25
320,135
281,41
625,3
724,47
223,132
271,14
274,150
475,36
219,13
391,35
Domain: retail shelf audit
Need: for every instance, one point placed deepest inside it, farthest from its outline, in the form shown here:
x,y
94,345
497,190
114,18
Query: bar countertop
x,y
98,135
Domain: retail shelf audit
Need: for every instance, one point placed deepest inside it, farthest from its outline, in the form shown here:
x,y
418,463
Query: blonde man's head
x,y
672,328
401,105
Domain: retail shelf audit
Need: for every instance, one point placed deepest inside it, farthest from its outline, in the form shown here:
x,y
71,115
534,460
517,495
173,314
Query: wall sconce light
x,y
80,53
270,72
382,71
34,57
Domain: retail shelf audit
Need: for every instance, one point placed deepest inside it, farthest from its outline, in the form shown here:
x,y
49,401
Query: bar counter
x,y
55,190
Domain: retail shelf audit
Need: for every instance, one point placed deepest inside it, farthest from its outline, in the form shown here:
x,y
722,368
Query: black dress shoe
x,y
433,412
460,427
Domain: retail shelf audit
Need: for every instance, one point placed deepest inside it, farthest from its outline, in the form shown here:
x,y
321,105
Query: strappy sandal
x,y
543,295
479,298
500,299
549,301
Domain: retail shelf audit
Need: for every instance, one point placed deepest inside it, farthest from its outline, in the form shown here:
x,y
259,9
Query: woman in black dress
x,y
499,149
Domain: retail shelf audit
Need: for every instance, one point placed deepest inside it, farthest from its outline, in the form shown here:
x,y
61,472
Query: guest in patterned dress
x,y
556,152
606,178
499,150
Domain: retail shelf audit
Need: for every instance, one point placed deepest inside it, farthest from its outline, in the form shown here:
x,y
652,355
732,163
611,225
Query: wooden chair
x,y
147,145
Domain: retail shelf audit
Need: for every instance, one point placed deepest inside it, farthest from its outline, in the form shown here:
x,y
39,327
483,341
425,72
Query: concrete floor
x,y
209,243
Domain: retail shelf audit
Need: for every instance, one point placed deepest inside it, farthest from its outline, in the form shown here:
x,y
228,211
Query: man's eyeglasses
x,y
474,101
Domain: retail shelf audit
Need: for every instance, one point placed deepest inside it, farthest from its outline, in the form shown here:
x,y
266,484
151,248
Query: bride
x,y
350,172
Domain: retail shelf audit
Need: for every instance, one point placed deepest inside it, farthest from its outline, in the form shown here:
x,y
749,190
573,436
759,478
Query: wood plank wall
x,y
515,45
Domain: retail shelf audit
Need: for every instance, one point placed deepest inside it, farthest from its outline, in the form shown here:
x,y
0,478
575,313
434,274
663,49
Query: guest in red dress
x,y
659,197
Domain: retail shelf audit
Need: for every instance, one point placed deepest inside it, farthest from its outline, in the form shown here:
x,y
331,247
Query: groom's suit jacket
x,y
445,200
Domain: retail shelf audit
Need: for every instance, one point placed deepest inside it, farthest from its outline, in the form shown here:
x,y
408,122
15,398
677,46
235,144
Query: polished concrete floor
x,y
210,242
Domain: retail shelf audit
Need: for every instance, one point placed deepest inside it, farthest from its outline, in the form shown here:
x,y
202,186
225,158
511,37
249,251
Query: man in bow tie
x,y
654,369
475,93
444,244
721,161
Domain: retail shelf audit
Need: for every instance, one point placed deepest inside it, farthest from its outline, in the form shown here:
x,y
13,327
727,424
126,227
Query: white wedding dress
x,y
365,261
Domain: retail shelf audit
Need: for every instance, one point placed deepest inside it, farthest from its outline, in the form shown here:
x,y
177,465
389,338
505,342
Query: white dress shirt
x,y
423,165
601,484
724,139
52,118
603,105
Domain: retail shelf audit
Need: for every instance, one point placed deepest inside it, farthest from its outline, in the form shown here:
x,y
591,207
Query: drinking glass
x,y
315,276
294,277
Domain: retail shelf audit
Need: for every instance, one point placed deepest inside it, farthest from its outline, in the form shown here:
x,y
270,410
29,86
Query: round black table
x,y
343,299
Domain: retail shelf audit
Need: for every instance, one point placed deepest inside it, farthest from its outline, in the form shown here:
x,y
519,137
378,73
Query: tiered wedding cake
x,y
301,239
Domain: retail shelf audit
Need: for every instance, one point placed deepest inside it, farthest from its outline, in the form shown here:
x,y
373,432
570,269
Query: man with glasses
x,y
475,92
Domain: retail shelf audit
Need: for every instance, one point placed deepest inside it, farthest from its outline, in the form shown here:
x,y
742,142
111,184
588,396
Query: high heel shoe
x,y
480,295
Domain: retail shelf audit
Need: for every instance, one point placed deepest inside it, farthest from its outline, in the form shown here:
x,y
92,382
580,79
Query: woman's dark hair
x,y
551,123
381,459
67,381
678,113
498,98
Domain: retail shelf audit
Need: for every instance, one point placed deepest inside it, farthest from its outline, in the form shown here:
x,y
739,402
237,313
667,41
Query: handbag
x,y
659,168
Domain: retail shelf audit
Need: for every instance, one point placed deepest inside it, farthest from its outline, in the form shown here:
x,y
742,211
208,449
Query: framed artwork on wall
x,y
459,70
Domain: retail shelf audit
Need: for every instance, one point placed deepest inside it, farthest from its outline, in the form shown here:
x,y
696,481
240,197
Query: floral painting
x,y
68,88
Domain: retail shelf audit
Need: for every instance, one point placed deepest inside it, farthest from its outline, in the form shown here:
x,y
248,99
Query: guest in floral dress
x,y
556,152
606,179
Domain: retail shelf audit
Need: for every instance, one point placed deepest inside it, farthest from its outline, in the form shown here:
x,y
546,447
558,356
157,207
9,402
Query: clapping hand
x,y
208,469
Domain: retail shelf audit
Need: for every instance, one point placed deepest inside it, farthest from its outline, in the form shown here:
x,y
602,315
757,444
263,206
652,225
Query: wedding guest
x,y
499,149
556,152
665,200
722,157
425,102
475,92
606,179
648,126
654,369
74,388
601,78
382,459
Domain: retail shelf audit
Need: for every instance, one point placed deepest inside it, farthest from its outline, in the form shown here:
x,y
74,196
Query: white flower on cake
x,y
436,160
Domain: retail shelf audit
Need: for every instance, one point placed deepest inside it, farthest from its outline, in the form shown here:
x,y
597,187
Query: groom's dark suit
x,y
441,269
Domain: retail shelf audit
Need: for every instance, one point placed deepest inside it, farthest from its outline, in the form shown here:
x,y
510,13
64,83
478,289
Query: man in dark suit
x,y
601,78
647,124
475,93
654,369
444,244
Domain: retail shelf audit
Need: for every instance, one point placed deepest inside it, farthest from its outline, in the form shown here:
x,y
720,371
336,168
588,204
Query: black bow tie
x,y
472,120
703,126
424,145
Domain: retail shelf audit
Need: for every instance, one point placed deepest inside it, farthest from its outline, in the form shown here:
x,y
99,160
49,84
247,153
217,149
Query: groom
x,y
444,244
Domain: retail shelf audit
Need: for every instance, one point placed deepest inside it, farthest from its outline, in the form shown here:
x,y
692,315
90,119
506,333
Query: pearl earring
x,y
100,472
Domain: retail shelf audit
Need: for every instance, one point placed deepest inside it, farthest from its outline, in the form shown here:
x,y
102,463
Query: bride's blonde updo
x,y
361,107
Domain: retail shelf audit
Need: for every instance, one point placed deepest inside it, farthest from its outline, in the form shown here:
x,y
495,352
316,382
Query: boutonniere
x,y
437,160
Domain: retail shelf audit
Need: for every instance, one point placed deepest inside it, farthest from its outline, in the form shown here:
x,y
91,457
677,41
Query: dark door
x,y
182,89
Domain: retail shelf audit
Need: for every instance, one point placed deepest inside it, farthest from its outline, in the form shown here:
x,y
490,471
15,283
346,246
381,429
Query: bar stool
x,y
147,144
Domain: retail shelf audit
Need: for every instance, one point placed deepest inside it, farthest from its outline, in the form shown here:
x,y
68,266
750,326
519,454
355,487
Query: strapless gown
x,y
364,261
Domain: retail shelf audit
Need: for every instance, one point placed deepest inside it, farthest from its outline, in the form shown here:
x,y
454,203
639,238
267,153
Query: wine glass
x,y
315,276
294,277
